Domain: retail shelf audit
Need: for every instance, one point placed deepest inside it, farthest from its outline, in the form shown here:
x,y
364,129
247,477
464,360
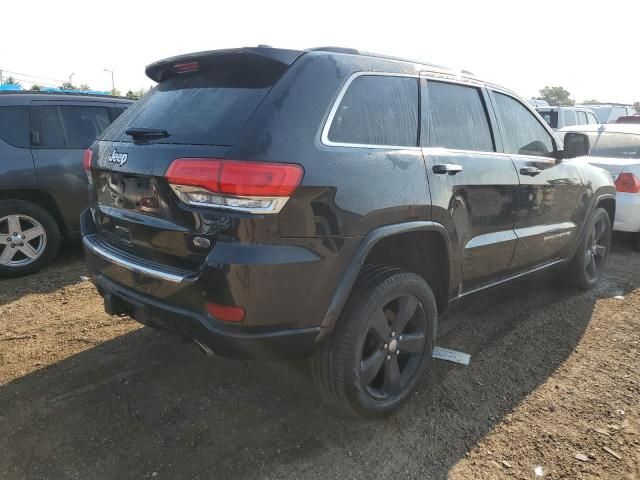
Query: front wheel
x,y
591,257
382,345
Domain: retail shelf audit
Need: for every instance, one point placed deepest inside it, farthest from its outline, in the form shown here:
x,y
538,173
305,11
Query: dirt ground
x,y
553,387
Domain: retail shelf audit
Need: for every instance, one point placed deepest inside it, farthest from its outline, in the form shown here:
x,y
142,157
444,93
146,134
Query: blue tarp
x,y
88,92
13,88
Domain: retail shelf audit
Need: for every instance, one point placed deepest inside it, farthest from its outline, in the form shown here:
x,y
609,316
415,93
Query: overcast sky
x,y
589,47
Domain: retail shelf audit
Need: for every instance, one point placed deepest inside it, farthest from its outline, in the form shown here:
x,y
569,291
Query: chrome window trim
x,y
324,137
134,267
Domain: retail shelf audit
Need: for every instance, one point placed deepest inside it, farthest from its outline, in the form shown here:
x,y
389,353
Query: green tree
x,y
136,94
593,100
115,92
637,106
11,81
35,87
84,87
67,86
556,96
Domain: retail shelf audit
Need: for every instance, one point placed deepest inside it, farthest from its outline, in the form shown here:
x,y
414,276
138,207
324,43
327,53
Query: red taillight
x,y
86,159
225,313
186,67
253,187
86,164
628,183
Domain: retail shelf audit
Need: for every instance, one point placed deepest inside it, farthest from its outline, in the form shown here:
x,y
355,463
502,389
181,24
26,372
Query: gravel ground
x,y
553,387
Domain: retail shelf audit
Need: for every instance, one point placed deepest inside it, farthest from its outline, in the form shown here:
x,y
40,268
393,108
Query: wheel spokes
x,y
370,367
392,383
13,222
28,251
7,255
412,343
33,233
601,250
406,310
380,326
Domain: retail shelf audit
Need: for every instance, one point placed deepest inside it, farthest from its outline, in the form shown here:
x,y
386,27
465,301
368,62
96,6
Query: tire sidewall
x,y
580,267
398,284
21,207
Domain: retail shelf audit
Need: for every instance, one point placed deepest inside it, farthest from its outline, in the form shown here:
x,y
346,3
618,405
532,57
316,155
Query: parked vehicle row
x,y
43,188
560,117
616,148
270,203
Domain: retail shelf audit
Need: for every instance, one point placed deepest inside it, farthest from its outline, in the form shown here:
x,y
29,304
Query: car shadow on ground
x,y
145,406
65,270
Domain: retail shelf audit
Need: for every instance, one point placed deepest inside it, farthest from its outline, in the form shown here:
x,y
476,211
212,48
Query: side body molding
x,y
352,270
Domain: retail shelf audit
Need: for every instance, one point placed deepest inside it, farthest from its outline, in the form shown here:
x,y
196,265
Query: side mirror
x,y
576,145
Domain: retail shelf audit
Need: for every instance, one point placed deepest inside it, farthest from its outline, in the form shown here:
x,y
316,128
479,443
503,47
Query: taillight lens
x,y
86,163
628,183
255,187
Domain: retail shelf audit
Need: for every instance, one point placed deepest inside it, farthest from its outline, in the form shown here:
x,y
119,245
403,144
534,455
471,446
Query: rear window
x,y
14,126
378,110
617,145
208,108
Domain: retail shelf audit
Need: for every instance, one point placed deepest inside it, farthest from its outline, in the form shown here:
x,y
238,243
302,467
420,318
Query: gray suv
x,y
43,188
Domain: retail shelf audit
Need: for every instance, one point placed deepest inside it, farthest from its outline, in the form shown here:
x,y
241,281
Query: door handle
x,y
530,171
449,168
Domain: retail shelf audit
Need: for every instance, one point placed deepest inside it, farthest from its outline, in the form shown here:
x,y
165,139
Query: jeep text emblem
x,y
119,158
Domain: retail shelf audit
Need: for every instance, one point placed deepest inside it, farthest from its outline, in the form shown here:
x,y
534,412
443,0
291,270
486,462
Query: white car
x,y
616,148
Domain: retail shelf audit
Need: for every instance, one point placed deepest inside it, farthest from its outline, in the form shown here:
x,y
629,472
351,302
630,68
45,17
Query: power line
x,y
34,76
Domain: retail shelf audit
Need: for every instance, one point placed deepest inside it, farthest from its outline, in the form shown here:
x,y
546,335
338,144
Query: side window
x,y
592,118
116,112
582,118
83,124
14,126
457,118
569,117
523,134
378,110
46,128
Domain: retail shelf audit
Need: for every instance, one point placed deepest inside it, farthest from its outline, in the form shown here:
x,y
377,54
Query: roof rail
x,y
350,51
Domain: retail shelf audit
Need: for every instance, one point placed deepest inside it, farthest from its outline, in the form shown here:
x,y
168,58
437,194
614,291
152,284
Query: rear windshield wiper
x,y
146,133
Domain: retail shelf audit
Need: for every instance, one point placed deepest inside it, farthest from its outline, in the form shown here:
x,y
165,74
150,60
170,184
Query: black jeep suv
x,y
326,203
43,188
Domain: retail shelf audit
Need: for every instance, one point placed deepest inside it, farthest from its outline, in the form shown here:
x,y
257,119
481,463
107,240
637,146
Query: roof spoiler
x,y
163,69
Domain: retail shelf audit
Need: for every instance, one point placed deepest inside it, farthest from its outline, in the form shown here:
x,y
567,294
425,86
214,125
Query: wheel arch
x,y
40,198
400,245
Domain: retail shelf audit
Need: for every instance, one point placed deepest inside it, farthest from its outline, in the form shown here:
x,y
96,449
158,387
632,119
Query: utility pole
x,y
113,84
70,77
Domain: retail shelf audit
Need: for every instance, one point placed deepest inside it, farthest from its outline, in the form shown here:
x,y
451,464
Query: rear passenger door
x,y
546,214
473,188
60,132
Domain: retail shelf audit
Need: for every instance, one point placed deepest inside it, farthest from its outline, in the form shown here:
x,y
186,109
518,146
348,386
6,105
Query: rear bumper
x,y
269,344
627,212
284,289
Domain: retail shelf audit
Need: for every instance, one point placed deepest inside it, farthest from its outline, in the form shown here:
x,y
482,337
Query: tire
x,y
590,259
362,368
22,256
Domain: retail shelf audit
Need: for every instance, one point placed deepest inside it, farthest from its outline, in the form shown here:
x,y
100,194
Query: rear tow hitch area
x,y
116,306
